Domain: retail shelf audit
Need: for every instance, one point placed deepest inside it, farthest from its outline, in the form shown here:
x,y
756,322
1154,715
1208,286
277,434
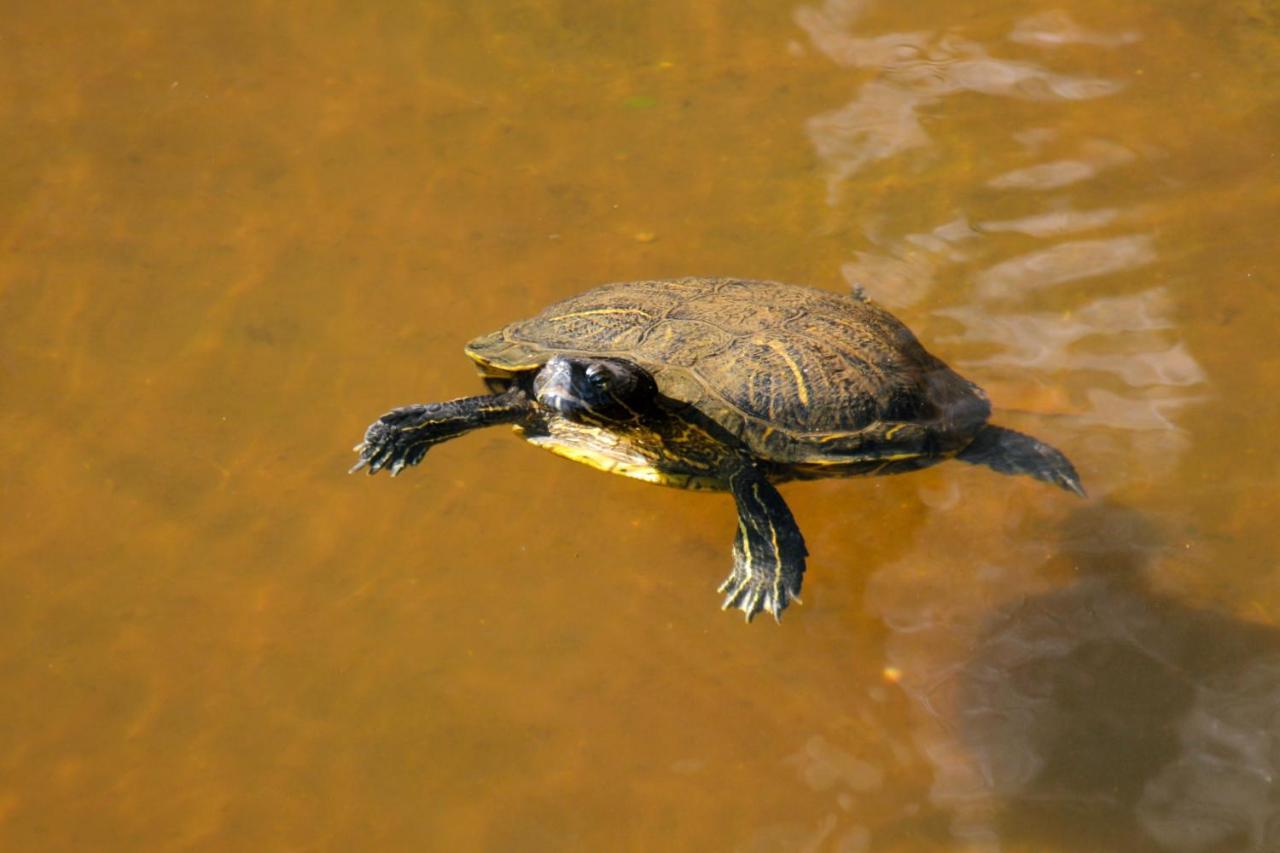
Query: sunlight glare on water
x,y
235,234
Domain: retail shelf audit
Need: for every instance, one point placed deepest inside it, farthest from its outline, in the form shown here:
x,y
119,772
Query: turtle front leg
x,y
403,436
768,552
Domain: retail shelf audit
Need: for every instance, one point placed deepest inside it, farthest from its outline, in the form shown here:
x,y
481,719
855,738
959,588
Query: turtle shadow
x,y
1110,716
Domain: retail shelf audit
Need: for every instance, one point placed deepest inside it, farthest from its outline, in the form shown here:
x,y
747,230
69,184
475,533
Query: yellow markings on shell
x,y
489,370
594,312
835,436
824,463
803,389
893,430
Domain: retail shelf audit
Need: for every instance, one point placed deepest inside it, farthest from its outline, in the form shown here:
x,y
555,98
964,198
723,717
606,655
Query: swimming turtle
x,y
724,384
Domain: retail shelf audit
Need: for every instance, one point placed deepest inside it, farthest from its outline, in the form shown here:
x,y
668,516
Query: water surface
x,y
232,235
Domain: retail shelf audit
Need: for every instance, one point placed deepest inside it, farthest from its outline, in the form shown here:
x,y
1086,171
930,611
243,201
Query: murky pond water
x,y
232,235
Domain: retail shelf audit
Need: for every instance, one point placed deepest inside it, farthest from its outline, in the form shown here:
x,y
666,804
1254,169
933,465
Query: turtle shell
x,y
796,374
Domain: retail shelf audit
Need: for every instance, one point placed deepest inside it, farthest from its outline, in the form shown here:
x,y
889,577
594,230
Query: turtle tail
x,y
1012,452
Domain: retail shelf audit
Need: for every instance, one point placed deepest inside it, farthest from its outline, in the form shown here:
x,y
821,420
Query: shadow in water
x,y
1107,715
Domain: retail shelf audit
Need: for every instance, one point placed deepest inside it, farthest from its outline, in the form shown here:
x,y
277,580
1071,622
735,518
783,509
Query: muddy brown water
x,y
231,235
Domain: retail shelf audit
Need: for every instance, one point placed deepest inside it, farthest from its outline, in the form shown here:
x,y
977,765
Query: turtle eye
x,y
598,376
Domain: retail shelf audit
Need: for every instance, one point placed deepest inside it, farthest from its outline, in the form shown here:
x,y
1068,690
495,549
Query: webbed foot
x,y
768,551
1011,452
394,441
403,436
752,589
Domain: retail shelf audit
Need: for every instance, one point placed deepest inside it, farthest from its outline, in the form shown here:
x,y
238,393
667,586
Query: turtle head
x,y
603,390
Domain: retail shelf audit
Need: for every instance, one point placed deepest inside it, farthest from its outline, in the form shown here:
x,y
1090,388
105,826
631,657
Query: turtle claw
x,y
768,551
401,438
754,594
389,447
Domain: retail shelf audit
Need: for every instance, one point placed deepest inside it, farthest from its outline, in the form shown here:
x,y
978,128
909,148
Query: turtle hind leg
x,y
768,551
1012,452
403,436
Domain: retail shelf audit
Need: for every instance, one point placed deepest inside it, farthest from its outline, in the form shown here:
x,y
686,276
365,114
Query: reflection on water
x,y
1037,703
1056,27
1064,262
1106,698
1135,374
232,234
1110,694
915,71
1095,156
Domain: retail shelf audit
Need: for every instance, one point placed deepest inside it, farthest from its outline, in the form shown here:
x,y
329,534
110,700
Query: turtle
x,y
724,384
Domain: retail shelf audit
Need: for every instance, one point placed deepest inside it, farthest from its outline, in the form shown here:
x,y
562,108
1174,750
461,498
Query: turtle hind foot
x,y
1011,452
